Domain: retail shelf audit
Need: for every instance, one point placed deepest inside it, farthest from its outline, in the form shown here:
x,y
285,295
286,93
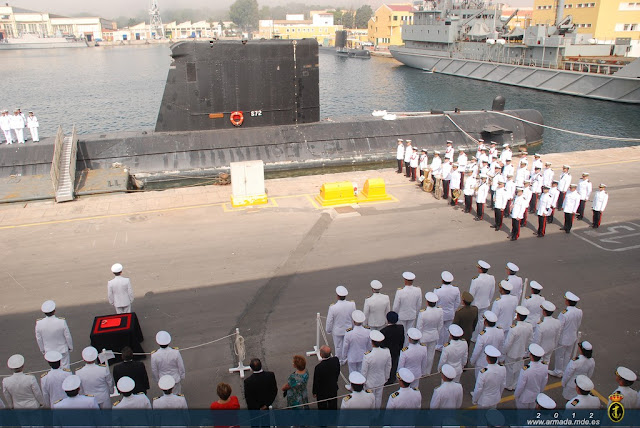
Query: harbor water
x,y
109,89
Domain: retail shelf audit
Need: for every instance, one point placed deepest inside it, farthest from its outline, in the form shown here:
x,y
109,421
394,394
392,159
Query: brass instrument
x,y
456,193
428,183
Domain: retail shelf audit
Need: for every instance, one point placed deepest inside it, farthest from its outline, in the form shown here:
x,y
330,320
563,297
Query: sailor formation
x,y
13,125
478,333
503,181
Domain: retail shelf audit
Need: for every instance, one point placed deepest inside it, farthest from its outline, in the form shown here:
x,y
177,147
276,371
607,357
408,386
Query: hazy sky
x,y
113,8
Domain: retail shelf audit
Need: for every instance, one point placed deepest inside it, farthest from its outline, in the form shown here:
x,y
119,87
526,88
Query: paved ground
x,y
200,268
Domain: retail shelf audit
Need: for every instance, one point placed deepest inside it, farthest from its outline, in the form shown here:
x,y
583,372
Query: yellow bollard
x,y
375,190
338,193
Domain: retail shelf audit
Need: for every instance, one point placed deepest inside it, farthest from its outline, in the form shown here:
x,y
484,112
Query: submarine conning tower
x,y
223,84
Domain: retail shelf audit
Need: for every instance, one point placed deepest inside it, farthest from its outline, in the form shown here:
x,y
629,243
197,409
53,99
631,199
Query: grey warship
x,y
227,101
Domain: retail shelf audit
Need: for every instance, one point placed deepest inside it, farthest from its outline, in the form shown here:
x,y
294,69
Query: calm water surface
x,y
108,89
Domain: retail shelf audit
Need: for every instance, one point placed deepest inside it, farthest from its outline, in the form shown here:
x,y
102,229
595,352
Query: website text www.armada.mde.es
x,y
563,422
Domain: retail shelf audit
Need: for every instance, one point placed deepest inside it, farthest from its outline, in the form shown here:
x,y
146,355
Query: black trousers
x,y
413,173
515,228
394,368
550,218
407,169
328,405
542,224
568,221
525,216
467,203
533,202
581,209
400,162
597,218
507,208
498,213
561,199
493,194
445,187
480,210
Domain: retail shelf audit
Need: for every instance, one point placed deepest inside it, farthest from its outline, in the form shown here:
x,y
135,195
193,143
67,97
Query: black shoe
x,y
476,219
497,229
568,231
540,236
579,218
562,228
514,239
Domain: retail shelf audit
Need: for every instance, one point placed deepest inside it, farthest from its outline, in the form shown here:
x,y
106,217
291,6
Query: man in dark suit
x,y
393,340
134,369
260,389
325,380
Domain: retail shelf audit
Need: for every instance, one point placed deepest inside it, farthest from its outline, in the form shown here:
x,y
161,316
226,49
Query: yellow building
x,y
320,27
385,26
605,20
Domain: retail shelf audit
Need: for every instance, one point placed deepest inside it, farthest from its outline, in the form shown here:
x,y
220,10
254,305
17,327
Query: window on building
x,y
395,17
568,6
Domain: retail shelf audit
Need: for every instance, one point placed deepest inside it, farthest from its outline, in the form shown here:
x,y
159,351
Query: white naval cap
x,y
48,306
406,375
585,173
537,155
587,346
584,383
626,374
573,185
15,361
521,310
513,267
126,384
116,268
492,351
536,350
566,166
455,330
483,264
376,285
602,185
449,142
414,334
409,276
89,354
547,163
166,382
490,316
545,401
342,291
506,285
572,297
483,175
535,285
376,336
357,378
548,306
71,383
436,152
448,371
431,297
163,338
446,276
357,316
52,356
505,145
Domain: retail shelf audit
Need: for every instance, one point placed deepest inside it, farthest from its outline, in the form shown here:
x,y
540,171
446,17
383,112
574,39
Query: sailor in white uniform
x,y
546,332
555,194
584,191
449,151
583,363
436,166
119,289
414,356
625,378
491,335
414,161
449,298
563,184
532,379
584,399
167,361
96,378
21,390
376,307
356,343
376,366
406,397
515,344
482,288
408,151
52,333
32,124
506,153
544,402
505,305
600,199
51,381
430,324
17,126
455,352
339,318
570,320
170,400
534,303
513,278
481,196
569,207
491,381
74,400
360,398
130,400
400,155
449,394
5,125
408,302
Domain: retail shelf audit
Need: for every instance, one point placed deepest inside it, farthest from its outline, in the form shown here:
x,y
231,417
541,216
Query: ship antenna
x,y
155,22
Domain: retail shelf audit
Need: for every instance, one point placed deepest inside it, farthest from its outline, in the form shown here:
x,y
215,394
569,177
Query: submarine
x,y
227,101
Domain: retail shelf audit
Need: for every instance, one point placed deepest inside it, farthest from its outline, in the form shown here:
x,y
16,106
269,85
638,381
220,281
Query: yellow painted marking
x,y
512,397
310,199
228,208
600,396
273,202
609,163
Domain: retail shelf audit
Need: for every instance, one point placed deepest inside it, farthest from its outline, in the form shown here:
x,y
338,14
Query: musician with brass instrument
x,y
482,191
454,184
446,177
494,178
436,174
423,164
469,190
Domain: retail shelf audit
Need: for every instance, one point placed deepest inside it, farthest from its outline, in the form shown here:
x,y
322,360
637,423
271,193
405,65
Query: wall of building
x,y
385,27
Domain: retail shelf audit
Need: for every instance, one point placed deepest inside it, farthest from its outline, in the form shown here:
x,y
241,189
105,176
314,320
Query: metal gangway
x,y
63,165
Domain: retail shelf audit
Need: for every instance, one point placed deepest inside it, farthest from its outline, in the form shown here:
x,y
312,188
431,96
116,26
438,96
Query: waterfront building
x,y
521,19
385,26
320,27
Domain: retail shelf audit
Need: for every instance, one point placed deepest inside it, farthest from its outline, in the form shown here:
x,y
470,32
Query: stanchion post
x,y
316,347
241,367
272,418
574,352
524,291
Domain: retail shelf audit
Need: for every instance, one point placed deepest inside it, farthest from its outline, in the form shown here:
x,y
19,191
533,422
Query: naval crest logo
x,y
615,411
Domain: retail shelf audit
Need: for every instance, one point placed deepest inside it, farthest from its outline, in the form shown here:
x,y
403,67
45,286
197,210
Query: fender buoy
x,y
236,118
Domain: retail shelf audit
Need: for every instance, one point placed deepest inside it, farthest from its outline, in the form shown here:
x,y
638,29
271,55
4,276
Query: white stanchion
x,y
238,348
316,347
574,352
104,358
524,291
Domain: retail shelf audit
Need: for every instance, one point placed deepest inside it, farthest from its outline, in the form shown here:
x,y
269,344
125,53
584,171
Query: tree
x,y
348,19
265,12
244,13
337,17
363,14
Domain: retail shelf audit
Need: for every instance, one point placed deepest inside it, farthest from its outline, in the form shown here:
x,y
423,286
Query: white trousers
x,y
521,405
513,369
19,134
34,134
178,388
105,405
354,367
7,136
377,393
123,309
65,362
337,344
444,333
563,356
407,324
431,352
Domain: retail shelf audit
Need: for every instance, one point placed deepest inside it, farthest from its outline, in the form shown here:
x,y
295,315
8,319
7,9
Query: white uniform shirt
x,y
520,205
531,381
376,308
517,339
17,122
436,165
547,177
490,383
521,175
448,153
507,171
445,170
51,384
407,302
414,358
405,398
500,200
454,176
97,381
134,401
462,161
376,366
170,401
408,151
455,353
447,396
506,154
414,160
570,320
510,187
516,281
22,392
536,183
400,152
482,288
545,205
584,189
482,193
52,334
339,317
78,402
505,308
547,334
362,400
167,361
555,194
631,398
424,162
430,323
533,303
564,182
5,122
583,402
120,292
527,193
356,343
580,365
32,122
489,336
449,299
493,154
600,199
469,186
571,202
